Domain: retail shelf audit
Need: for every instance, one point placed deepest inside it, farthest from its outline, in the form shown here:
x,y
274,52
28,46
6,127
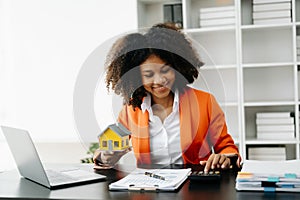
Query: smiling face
x,y
157,77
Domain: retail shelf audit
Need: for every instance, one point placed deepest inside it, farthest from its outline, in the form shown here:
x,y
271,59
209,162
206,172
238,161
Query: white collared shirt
x,y
164,136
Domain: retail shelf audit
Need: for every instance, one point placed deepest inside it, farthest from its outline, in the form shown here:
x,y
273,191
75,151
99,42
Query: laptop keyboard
x,y
59,177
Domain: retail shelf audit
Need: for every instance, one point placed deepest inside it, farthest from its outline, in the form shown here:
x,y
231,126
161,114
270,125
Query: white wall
x,y
43,44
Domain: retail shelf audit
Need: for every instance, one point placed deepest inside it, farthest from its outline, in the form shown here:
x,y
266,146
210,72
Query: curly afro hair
x,y
128,52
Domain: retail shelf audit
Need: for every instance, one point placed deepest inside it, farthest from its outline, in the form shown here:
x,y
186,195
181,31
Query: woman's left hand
x,y
216,161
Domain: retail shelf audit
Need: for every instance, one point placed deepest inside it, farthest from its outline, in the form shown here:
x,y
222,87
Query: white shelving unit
x,y
249,68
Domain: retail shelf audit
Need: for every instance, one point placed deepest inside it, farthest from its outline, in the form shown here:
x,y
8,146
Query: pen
x,y
154,175
212,150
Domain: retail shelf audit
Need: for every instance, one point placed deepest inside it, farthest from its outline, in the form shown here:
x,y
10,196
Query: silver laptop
x,y
31,167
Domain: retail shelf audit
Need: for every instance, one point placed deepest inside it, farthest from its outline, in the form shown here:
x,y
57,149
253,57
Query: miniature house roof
x,y
118,128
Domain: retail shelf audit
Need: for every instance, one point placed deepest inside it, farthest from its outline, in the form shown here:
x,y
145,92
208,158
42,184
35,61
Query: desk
x,y
12,186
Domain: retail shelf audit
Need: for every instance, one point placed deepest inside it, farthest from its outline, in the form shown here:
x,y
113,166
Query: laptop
x,y
31,167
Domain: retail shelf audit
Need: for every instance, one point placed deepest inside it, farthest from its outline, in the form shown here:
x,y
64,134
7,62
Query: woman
x,y
170,122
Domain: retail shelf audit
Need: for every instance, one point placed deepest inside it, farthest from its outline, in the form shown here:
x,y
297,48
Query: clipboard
x,y
138,181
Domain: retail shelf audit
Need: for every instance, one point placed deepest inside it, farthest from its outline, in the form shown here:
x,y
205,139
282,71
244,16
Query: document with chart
x,y
152,179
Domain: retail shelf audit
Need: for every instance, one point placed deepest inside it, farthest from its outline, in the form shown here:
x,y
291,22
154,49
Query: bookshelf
x,y
255,65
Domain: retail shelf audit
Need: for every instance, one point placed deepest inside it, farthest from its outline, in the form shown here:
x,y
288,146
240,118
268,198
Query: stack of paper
x,y
275,125
216,16
267,153
269,176
138,180
272,11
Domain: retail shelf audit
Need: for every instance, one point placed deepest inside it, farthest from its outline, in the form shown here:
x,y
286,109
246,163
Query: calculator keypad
x,y
211,176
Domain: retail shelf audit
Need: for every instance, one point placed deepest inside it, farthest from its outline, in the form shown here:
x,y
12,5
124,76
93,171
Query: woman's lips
x,y
161,88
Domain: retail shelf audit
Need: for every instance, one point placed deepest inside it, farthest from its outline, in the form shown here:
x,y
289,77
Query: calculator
x,y
205,177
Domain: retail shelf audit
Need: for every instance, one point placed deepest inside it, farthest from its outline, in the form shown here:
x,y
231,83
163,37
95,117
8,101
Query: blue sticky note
x,y
287,186
269,189
290,175
273,179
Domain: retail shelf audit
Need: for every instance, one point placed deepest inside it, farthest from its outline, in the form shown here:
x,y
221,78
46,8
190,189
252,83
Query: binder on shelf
x,y
177,17
173,13
168,13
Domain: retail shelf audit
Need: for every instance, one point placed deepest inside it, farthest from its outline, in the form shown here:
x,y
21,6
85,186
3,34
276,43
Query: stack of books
x,y
275,125
269,176
217,16
266,153
272,11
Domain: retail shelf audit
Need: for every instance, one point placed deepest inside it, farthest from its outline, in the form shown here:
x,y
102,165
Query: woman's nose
x,y
159,79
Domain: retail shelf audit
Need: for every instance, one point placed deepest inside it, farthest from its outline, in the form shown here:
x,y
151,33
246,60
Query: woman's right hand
x,y
107,159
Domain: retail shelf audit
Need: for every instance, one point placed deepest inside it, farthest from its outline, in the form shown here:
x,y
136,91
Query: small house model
x,y
114,138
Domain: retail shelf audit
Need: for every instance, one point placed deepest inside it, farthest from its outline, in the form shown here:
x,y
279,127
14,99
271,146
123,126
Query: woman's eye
x,y
148,75
165,70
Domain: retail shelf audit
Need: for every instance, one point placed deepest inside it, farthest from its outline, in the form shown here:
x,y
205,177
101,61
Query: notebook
x,y
152,180
31,167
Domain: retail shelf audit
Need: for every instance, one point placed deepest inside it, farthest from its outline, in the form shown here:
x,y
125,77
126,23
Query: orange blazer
x,y
202,126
